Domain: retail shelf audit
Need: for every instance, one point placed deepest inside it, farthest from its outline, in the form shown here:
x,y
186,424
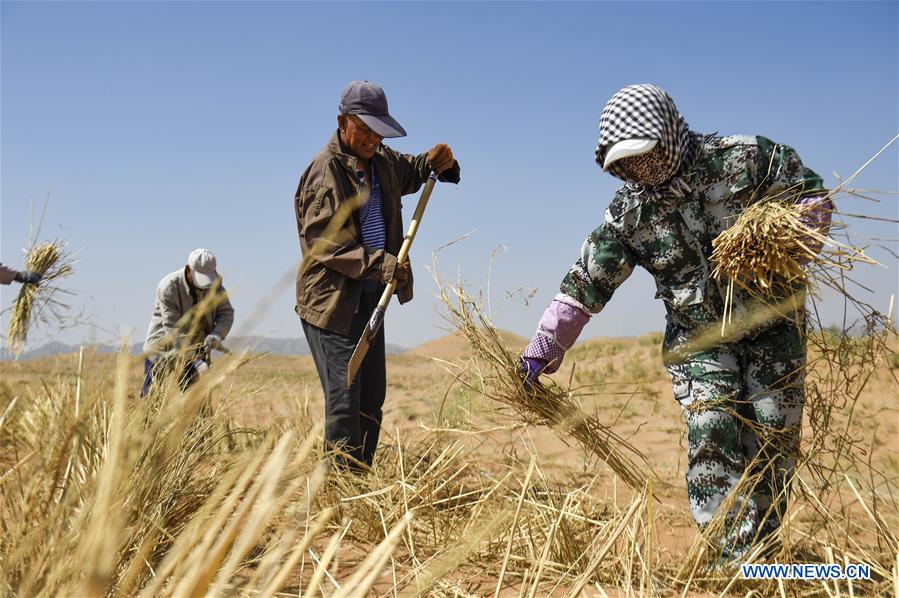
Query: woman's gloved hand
x,y
530,369
558,329
816,215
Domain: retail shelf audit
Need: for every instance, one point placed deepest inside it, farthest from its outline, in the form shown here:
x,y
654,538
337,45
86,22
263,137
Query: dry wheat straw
x,y
494,372
197,504
52,262
770,252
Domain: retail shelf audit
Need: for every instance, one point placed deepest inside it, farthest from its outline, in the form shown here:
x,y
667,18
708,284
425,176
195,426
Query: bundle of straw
x,y
498,378
52,263
770,253
767,245
765,250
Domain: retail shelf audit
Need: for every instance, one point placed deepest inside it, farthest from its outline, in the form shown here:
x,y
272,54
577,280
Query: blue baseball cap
x,y
368,101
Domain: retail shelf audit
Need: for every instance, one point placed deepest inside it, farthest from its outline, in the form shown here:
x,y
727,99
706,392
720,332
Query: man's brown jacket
x,y
329,280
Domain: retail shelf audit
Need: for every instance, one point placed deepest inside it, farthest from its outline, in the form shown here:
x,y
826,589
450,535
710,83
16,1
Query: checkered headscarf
x,y
644,112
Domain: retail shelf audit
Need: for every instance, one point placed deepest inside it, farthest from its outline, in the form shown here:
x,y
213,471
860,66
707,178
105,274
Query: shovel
x,y
377,317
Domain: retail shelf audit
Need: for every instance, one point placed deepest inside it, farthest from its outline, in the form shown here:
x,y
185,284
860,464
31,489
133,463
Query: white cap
x,y
202,268
628,148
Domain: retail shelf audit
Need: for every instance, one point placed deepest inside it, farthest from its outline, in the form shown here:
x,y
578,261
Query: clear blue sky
x,y
162,127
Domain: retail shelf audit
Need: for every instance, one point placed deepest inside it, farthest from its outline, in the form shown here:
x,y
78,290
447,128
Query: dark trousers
x,y
154,370
352,416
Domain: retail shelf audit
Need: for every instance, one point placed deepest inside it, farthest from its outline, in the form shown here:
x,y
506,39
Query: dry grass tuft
x,y
485,527
107,495
494,373
770,253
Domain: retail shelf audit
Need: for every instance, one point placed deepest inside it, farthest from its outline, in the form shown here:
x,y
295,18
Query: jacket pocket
x,y
683,394
725,202
688,303
320,289
320,196
680,295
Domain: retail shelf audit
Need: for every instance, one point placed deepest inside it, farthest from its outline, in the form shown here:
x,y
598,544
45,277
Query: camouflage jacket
x,y
672,237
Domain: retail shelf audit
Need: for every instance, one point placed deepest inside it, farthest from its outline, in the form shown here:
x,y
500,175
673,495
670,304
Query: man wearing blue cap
x,y
349,218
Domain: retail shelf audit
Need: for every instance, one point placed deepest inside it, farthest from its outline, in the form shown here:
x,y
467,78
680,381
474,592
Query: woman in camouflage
x,y
742,399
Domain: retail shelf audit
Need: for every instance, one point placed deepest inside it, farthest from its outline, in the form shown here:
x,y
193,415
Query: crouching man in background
x,y
178,330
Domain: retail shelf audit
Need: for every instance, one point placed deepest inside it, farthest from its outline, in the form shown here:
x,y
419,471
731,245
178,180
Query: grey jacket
x,y
173,301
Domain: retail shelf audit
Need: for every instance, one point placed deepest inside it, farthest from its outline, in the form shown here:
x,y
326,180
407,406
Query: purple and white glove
x,y
558,329
816,215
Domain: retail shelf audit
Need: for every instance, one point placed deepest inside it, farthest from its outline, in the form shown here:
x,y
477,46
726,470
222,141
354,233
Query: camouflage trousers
x,y
742,403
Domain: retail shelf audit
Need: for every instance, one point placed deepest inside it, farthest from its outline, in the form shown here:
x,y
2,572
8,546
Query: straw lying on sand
x,y
52,263
497,377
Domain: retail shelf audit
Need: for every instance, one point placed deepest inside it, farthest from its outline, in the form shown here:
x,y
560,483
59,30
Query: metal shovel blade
x,y
368,335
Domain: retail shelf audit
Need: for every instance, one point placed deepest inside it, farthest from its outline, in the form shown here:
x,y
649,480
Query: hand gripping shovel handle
x,y
377,317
